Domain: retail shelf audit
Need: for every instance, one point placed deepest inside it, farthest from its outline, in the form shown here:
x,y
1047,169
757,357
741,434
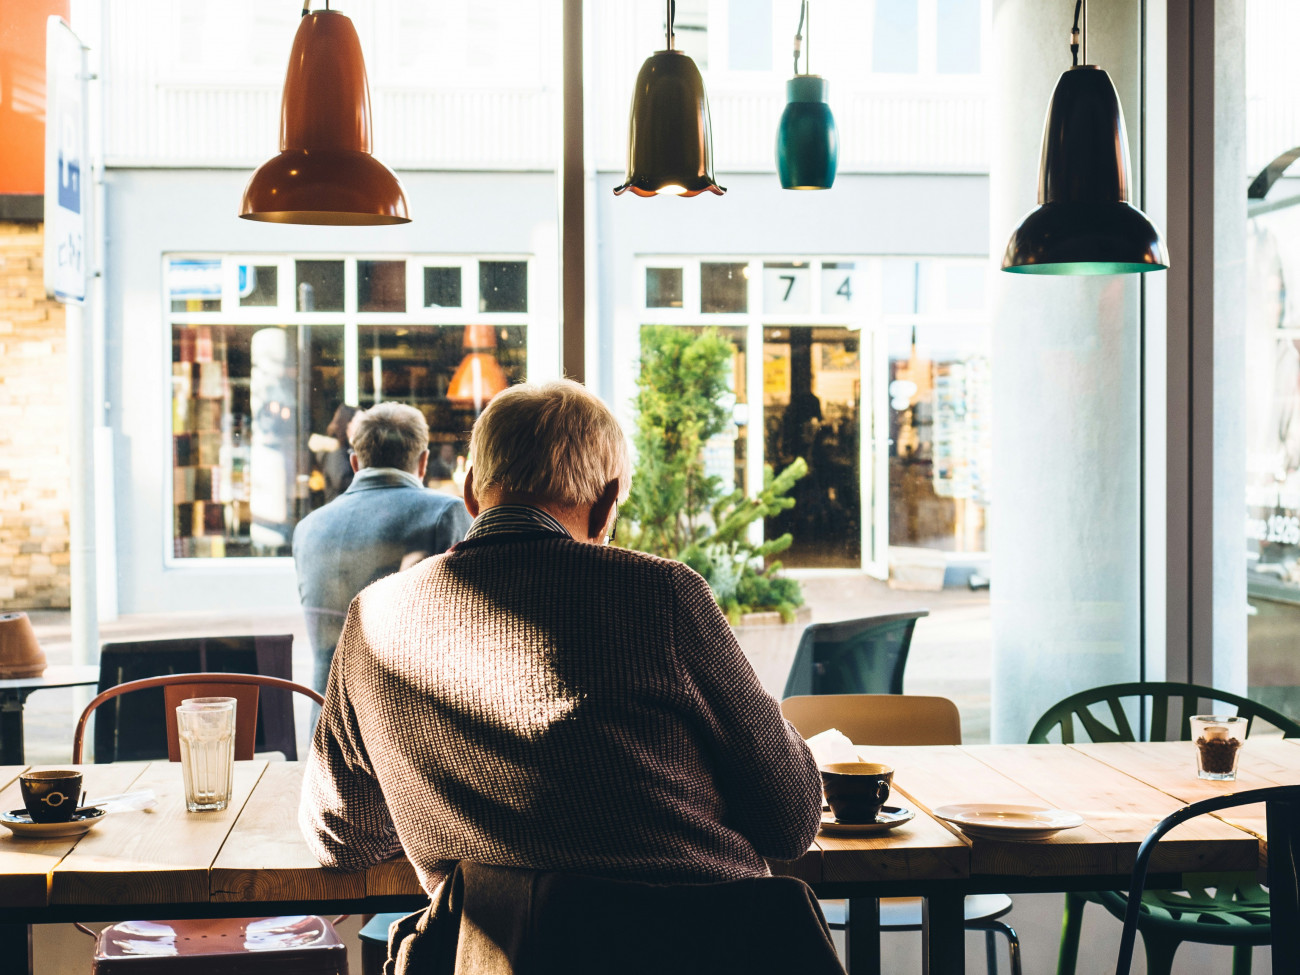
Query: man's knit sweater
x,y
528,700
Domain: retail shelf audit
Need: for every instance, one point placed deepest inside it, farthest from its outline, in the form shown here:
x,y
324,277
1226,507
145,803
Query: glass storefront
x,y
874,372
263,381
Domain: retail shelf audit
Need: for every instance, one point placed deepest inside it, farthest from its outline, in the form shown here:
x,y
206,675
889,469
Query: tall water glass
x,y
206,727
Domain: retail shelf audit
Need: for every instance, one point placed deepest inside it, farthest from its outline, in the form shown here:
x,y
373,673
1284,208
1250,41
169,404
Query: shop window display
x,y
262,392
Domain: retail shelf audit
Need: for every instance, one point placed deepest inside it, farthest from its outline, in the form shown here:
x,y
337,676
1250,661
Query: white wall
x,y
153,212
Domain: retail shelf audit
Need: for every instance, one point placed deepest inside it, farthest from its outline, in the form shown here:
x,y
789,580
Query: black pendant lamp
x,y
325,173
669,143
807,142
1084,223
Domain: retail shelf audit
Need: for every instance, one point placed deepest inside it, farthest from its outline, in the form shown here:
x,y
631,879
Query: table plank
x,y
924,849
392,877
1121,809
1171,768
8,773
159,856
265,857
934,776
26,864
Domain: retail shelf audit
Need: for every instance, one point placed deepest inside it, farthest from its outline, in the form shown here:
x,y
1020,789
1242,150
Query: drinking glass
x,y
1218,741
206,727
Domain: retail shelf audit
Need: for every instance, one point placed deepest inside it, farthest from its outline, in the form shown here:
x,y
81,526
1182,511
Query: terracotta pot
x,y
20,654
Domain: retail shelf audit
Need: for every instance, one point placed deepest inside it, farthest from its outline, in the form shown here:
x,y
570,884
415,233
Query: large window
x,y
874,372
264,378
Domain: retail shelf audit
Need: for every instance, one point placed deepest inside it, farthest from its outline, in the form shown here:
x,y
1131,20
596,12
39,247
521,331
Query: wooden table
x,y
250,858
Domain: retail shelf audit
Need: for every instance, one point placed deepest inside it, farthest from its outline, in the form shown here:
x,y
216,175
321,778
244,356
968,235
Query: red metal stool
x,y
289,945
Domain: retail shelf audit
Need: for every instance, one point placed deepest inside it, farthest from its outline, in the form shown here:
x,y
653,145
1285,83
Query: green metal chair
x,y
1227,909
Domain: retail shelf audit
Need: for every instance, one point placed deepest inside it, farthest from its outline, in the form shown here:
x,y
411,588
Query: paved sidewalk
x,y
950,652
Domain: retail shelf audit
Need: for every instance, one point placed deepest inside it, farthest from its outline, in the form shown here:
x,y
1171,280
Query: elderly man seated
x,y
536,698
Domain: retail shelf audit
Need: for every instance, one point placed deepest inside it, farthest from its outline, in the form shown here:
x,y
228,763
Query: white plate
x,y
998,821
20,824
890,816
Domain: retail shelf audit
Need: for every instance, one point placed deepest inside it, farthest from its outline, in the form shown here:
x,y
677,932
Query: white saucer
x,y
20,823
890,816
998,821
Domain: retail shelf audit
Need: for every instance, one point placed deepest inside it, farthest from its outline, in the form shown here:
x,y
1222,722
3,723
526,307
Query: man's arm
x,y
764,770
342,814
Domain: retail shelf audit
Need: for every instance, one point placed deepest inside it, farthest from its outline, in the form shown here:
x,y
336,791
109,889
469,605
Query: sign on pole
x,y
66,163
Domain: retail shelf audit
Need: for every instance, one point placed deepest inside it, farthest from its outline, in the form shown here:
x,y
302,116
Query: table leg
x,y
862,936
16,949
1283,887
11,727
943,949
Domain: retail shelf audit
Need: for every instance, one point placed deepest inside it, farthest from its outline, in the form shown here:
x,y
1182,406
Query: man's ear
x,y
422,464
355,461
471,502
601,512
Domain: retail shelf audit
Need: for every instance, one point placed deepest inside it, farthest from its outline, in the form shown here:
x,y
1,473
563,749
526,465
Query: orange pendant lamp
x,y
479,376
325,173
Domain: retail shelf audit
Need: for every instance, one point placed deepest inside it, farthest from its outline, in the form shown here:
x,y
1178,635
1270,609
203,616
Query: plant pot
x,y
770,643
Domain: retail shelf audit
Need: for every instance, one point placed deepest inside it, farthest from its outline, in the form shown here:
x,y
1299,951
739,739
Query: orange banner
x,y
22,93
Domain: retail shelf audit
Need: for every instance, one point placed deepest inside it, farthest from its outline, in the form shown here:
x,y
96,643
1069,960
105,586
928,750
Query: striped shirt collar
x,y
514,518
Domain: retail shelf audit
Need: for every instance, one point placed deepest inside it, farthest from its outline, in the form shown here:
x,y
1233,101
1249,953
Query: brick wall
x,y
34,474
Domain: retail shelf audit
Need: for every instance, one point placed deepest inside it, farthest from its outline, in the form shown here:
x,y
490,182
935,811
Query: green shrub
x,y
676,509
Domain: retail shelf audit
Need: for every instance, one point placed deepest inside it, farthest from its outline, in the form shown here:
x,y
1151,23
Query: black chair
x,y
1283,805
865,656
132,728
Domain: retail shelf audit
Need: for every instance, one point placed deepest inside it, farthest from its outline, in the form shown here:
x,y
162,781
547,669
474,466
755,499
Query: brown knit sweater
x,y
528,700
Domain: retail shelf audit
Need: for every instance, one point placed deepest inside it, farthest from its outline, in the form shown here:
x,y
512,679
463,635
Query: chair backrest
x,y
133,729
1283,809
175,688
490,919
877,719
1076,718
863,656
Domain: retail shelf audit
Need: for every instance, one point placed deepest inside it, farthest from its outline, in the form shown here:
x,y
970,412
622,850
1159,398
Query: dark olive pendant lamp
x,y
1084,223
807,142
669,143
325,173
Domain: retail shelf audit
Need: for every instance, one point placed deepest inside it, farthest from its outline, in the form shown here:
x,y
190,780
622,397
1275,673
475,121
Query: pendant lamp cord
x,y
798,38
672,16
1074,35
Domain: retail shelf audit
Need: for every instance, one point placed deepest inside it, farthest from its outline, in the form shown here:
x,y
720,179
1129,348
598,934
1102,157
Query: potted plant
x,y
679,511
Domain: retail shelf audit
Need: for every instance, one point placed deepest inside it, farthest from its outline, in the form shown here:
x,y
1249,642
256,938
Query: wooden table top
x,y
252,852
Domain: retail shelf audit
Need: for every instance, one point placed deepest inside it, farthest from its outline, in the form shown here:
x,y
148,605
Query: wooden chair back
x,y
245,688
877,719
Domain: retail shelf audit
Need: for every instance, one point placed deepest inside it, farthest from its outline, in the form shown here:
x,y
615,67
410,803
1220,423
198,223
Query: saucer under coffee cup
x,y
856,791
51,796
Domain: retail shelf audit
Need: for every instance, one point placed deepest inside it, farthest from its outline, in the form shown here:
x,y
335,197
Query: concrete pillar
x,y
1065,530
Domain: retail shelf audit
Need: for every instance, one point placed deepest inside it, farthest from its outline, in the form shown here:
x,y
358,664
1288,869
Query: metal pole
x,y
573,305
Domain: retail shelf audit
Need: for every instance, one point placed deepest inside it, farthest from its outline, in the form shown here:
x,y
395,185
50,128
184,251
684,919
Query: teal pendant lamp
x,y
669,140
1084,223
807,142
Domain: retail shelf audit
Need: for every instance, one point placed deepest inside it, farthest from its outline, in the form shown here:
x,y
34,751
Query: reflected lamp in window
x,y
258,285
895,44
663,287
381,286
724,288
320,285
442,287
502,286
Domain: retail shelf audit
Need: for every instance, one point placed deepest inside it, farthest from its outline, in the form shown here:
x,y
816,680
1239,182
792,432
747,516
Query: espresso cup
x,y
856,791
51,796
